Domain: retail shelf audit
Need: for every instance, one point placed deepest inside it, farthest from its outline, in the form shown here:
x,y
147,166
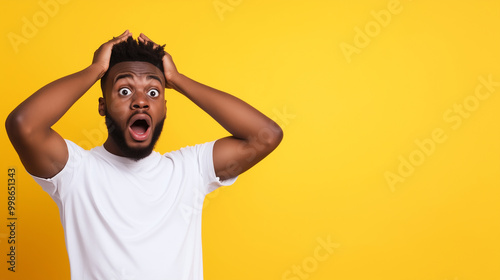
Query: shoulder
x,y
74,147
75,152
191,151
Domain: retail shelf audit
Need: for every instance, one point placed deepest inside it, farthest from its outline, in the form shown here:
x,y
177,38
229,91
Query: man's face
x,y
135,108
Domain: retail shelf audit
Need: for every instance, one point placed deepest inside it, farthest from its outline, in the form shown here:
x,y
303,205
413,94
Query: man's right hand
x,y
42,150
103,54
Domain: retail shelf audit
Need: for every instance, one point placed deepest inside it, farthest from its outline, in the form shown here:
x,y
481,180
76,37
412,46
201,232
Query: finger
x,y
141,39
124,37
125,34
121,38
145,38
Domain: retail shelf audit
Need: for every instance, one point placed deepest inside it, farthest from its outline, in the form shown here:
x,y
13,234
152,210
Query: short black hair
x,y
135,50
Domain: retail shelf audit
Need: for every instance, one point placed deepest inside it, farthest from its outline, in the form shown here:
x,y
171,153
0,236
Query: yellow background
x,y
349,120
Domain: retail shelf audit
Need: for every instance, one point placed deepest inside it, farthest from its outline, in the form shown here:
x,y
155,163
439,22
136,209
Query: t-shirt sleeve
x,y
206,160
52,185
202,154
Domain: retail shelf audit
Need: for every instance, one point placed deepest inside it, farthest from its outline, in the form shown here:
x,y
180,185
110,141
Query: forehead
x,y
139,69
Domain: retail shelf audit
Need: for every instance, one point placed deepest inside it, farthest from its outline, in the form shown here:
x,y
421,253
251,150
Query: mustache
x,y
139,111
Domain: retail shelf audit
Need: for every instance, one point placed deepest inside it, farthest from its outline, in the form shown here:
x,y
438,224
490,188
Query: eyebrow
x,y
148,77
122,76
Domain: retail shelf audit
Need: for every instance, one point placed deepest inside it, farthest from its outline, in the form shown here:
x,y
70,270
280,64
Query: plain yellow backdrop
x,y
389,168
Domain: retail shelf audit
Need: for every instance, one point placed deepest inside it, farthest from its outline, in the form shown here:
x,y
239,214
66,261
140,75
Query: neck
x,y
111,147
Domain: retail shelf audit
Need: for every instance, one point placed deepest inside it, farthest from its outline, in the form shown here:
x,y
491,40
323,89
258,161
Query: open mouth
x,y
140,127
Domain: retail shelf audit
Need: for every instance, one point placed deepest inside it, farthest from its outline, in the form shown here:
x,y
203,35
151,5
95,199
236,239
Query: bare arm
x,y
43,151
254,135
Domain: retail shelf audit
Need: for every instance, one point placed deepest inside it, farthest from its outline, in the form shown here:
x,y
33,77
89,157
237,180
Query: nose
x,y
139,102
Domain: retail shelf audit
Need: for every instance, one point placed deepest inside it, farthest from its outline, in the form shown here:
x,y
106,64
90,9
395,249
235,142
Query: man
x,y
121,204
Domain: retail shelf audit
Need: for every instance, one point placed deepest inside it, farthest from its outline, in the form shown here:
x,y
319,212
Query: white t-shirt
x,y
134,220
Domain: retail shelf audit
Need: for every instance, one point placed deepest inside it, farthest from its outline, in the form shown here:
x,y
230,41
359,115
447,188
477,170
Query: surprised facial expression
x,y
135,108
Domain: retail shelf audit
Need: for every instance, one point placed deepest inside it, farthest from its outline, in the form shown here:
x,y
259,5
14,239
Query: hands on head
x,y
44,153
103,54
168,64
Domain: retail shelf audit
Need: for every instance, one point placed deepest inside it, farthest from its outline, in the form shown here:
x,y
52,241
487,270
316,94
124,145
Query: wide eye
x,y
124,91
153,93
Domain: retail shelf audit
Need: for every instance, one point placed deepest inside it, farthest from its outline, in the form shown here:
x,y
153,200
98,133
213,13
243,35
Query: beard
x,y
118,136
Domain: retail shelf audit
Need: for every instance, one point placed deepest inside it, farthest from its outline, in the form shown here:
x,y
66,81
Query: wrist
x,y
174,80
98,69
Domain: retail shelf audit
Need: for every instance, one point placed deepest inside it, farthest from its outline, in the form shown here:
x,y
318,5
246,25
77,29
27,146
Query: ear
x,y
102,106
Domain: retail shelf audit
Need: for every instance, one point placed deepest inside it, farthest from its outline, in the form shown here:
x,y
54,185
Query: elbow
x,y
10,123
272,136
279,135
15,127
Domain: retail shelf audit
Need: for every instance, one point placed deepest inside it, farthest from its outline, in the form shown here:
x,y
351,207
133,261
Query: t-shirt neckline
x,y
150,159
